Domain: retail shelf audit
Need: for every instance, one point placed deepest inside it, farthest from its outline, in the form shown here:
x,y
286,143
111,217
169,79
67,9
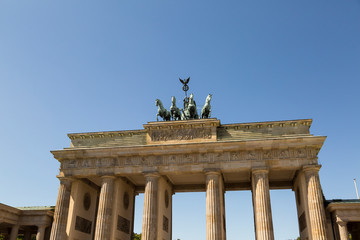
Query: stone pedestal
x,y
14,232
343,231
103,222
150,218
315,203
261,203
58,230
213,206
40,233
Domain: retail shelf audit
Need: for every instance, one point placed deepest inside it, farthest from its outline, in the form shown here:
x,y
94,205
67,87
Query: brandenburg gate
x,y
102,172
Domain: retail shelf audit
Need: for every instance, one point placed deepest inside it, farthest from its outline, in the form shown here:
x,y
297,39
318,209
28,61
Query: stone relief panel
x,y
83,225
195,158
235,156
284,154
123,224
180,134
267,155
300,153
165,224
251,155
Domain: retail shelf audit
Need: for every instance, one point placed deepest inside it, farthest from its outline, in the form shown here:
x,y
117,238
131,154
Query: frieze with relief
x,y
195,158
180,134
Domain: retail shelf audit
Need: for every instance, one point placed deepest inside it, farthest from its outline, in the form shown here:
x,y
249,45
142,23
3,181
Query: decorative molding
x,y
130,133
194,158
258,125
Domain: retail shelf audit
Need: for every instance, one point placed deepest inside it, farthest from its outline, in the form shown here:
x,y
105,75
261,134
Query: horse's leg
x,y
157,115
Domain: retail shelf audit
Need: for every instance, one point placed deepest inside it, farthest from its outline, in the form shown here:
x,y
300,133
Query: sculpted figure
x,y
190,111
174,110
162,112
206,110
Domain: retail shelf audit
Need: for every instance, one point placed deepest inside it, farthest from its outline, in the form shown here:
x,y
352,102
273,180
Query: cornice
x,y
203,147
341,206
269,124
92,135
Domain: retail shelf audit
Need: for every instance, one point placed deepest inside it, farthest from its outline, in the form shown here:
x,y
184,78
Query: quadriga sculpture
x,y
190,111
162,112
174,110
206,110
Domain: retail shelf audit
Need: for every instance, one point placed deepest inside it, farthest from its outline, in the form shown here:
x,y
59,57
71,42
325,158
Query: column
x,y
58,230
40,233
149,226
343,231
213,206
14,232
315,202
103,221
261,204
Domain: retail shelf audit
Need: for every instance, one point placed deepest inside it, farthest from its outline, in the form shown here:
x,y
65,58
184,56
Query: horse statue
x,y
190,111
174,110
162,112
206,110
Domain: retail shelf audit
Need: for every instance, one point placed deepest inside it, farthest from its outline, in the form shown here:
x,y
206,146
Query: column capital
x,y
311,168
260,170
341,223
65,180
152,174
212,171
108,177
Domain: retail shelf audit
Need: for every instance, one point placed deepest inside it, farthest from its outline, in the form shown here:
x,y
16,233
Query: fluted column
x,y
315,202
58,230
149,226
103,221
343,231
261,204
40,233
213,213
14,232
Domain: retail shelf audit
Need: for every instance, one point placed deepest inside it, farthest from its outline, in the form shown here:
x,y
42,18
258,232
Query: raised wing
x,y
181,81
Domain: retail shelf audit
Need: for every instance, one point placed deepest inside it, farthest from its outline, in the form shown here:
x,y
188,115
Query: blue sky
x,y
83,66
